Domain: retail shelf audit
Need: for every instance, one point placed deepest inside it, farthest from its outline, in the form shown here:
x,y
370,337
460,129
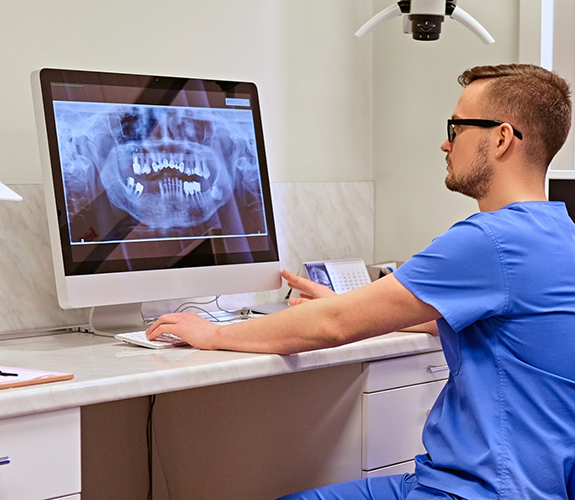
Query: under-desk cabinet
x,y
397,396
40,456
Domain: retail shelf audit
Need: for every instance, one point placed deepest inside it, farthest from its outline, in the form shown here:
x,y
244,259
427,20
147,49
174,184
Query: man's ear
x,y
504,139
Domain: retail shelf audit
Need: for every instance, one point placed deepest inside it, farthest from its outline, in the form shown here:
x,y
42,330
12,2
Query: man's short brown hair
x,y
532,99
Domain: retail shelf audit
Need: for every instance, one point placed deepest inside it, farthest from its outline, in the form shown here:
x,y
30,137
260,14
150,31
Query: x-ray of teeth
x,y
167,167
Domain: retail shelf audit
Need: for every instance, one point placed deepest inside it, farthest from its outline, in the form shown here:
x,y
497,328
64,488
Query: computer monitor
x,y
156,188
561,187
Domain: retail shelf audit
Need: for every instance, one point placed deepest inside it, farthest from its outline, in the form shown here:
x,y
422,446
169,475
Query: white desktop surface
x,y
107,370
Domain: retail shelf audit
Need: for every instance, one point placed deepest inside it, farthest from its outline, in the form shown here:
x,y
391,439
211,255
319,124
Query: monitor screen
x,y
561,187
156,187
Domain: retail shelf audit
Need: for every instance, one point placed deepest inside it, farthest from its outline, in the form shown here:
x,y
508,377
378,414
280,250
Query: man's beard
x,y
475,184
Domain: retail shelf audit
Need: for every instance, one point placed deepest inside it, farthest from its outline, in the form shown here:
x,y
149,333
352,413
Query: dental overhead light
x,y
424,18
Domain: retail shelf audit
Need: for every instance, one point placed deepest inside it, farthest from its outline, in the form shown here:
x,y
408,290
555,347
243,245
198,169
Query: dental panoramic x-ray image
x,y
173,170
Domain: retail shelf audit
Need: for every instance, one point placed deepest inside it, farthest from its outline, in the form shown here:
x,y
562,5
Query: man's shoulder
x,y
528,228
521,216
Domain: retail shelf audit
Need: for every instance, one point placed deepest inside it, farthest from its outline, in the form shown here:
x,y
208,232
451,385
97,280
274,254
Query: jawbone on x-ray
x,y
168,167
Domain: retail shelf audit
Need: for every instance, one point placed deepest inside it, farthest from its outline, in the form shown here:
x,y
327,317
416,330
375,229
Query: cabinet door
x,y
42,456
393,421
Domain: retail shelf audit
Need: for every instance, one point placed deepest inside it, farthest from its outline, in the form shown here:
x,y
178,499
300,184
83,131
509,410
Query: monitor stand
x,y
111,320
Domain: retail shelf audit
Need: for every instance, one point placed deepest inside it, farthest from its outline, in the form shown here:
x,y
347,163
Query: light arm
x,y
471,24
385,15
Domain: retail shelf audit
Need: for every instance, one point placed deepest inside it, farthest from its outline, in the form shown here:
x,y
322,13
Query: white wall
x,y
564,64
313,76
415,91
546,37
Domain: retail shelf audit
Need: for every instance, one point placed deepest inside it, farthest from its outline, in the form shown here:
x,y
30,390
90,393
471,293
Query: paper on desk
x,y
29,377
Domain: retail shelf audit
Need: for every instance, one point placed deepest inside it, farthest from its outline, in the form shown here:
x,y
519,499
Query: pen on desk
x,y
6,374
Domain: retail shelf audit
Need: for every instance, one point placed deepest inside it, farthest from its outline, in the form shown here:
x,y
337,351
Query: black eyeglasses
x,y
476,123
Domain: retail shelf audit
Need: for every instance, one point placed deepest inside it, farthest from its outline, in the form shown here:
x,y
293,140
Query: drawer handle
x,y
4,460
436,369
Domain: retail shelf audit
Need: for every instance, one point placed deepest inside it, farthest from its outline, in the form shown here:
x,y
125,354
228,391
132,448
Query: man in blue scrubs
x,y
499,287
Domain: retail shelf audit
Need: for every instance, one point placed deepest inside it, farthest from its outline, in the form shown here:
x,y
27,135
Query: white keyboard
x,y
164,341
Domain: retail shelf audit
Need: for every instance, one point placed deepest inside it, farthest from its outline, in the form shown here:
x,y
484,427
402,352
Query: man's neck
x,y
513,183
495,201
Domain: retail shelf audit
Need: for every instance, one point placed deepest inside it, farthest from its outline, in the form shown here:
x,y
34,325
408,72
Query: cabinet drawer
x,y
407,370
44,456
393,421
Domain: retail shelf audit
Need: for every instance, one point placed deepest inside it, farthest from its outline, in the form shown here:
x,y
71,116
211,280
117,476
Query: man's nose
x,y
446,146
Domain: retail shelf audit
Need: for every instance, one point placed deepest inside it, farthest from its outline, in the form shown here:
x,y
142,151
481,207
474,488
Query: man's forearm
x,y
381,307
305,327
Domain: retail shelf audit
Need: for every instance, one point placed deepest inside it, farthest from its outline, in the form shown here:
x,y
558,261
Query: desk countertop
x,y
107,370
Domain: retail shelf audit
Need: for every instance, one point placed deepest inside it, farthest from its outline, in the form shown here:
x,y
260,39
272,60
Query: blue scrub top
x,y
504,425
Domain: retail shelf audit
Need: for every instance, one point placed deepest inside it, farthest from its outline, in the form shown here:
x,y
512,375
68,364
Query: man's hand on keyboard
x,y
189,326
